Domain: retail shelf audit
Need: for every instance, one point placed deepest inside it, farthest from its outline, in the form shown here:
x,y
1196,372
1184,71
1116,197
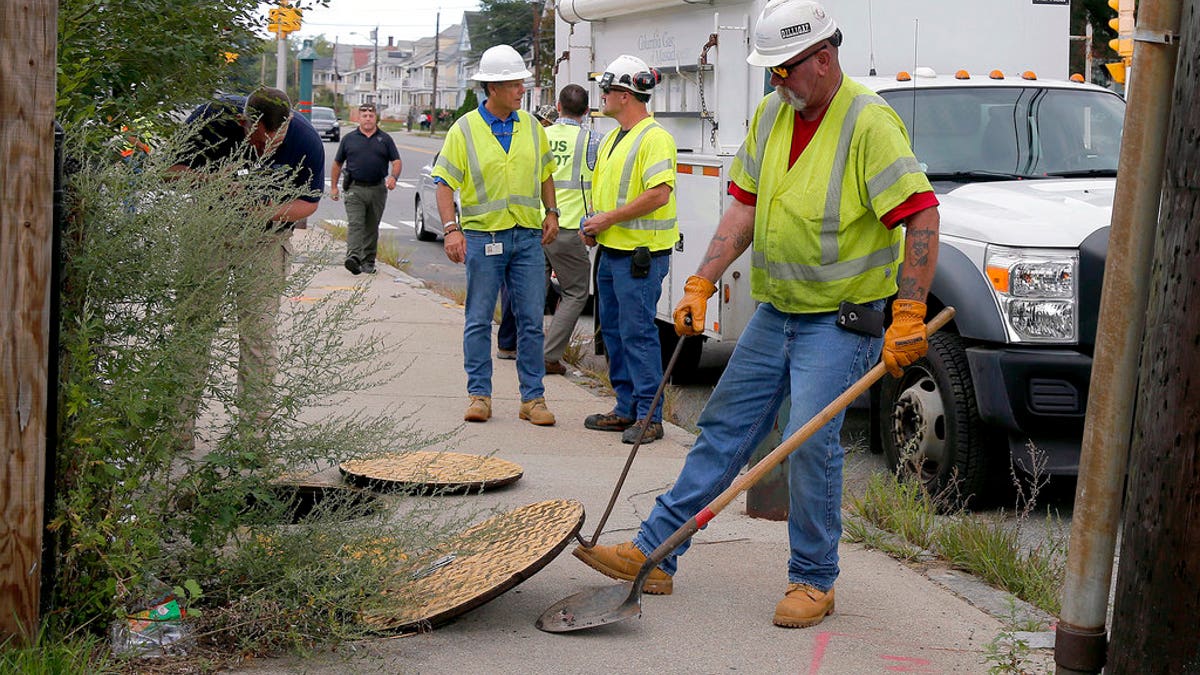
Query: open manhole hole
x,y
475,566
432,472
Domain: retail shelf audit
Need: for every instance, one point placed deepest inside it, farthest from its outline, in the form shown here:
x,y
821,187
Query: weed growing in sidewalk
x,y
1008,654
984,545
167,461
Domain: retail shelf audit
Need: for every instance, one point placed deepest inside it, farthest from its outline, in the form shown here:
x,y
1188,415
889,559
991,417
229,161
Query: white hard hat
x,y
629,72
787,27
501,64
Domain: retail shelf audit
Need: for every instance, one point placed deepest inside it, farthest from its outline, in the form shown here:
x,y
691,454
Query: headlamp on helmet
x,y
629,72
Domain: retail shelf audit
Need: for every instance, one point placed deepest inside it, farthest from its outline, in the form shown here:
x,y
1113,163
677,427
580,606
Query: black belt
x,y
618,253
366,184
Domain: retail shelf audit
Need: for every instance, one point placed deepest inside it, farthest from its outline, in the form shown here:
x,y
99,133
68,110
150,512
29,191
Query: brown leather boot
x,y
479,410
536,412
623,562
803,606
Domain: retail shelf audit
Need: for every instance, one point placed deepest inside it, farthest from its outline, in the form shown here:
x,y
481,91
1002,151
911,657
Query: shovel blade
x,y
588,609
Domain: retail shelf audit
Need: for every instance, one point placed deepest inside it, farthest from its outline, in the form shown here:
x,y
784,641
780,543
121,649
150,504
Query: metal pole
x,y
375,74
437,48
1080,643
337,77
281,61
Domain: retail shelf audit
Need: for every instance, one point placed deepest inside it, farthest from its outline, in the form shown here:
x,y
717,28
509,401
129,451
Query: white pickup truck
x,y
1025,171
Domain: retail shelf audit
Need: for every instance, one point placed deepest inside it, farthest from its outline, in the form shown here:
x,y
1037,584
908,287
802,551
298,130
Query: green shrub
x,y
149,343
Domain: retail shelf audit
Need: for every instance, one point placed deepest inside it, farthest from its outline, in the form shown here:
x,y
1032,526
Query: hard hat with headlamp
x,y
788,27
501,64
630,73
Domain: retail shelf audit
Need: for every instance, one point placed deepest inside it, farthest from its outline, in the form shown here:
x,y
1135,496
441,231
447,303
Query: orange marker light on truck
x,y
999,278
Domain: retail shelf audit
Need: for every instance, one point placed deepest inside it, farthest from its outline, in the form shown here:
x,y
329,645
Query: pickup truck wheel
x,y
419,225
930,424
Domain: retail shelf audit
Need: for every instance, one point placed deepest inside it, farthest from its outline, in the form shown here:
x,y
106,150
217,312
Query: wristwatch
x,y
449,227
555,211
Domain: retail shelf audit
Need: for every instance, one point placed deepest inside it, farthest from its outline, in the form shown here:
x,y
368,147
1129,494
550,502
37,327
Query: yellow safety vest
x,y
818,239
643,159
497,189
572,178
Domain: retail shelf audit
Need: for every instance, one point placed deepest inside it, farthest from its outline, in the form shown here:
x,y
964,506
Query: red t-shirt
x,y
802,133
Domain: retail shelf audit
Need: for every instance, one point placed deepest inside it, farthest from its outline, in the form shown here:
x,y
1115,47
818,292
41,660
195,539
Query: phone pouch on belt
x,y
639,264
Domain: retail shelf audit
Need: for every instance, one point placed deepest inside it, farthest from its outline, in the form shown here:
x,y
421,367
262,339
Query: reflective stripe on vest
x,y
571,178
627,177
483,205
831,267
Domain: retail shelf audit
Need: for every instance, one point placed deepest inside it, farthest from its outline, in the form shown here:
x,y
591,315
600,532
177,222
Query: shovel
x,y
633,452
618,603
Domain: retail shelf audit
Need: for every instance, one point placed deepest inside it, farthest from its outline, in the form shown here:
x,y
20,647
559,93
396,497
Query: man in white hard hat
x,y
822,181
498,158
633,195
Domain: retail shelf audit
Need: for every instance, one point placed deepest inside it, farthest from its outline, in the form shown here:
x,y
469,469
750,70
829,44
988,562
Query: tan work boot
x,y
479,410
536,412
803,606
623,562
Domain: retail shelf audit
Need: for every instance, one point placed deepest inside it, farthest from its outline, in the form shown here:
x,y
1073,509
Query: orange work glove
x,y
904,342
696,293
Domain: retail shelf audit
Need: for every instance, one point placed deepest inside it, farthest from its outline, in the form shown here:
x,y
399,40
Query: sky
x,y
401,19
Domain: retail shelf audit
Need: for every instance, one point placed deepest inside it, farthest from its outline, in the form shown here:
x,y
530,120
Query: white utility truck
x,y
1024,168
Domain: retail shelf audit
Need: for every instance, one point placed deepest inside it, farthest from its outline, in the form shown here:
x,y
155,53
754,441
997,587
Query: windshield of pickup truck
x,y
1000,133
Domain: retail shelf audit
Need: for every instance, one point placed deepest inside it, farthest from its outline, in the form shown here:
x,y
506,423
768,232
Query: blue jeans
x,y
630,335
506,334
521,267
810,359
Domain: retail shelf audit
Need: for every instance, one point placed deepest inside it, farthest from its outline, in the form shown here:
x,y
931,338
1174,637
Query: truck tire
x,y
930,426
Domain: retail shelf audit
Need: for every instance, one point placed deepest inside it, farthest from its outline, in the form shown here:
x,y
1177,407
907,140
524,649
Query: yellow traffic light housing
x,y
1122,25
1116,71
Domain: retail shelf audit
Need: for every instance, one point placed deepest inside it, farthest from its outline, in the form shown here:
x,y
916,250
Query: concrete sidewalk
x,y
889,617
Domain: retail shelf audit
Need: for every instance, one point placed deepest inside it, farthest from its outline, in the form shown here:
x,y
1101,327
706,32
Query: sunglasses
x,y
785,70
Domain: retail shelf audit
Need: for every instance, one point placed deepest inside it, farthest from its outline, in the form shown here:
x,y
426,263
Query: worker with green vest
x,y
820,184
574,151
633,195
498,158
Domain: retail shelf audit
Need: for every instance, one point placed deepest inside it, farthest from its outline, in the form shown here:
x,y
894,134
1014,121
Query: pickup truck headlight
x,y
1037,291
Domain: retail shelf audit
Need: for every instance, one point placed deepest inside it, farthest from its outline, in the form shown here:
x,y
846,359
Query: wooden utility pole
x,y
27,59
1158,581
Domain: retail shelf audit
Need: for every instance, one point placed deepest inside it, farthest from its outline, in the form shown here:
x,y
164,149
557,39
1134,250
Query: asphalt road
x,y
426,259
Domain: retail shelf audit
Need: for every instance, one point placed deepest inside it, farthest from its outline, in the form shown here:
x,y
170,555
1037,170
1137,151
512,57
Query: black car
x,y
326,123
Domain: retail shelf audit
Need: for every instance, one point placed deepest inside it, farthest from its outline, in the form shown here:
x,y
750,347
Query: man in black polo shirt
x,y
372,167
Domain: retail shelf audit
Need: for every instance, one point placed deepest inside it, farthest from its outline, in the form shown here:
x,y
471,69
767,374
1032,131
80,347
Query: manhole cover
x,y
433,471
477,566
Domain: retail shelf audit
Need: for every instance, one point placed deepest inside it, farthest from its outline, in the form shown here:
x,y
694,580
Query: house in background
x,y
402,85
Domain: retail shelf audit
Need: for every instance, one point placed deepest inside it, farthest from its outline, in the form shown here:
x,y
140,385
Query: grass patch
x,y
985,545
455,294
898,506
992,551
72,654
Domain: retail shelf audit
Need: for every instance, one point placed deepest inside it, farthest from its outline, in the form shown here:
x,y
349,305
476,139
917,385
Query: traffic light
x,y
1122,25
1116,70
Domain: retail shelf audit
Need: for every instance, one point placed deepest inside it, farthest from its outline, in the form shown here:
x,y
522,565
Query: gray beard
x,y
789,97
